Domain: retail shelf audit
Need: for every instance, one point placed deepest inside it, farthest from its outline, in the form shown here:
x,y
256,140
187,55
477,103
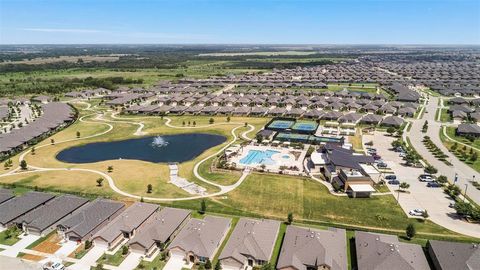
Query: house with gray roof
x,y
307,248
5,195
381,251
468,130
44,219
124,226
250,244
85,223
392,121
199,240
158,231
454,256
19,206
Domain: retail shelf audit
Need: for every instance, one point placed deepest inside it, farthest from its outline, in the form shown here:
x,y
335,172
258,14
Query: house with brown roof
x,y
307,248
158,231
454,256
199,240
251,244
125,225
381,251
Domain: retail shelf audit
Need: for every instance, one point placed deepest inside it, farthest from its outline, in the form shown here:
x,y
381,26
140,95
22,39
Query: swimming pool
x,y
259,157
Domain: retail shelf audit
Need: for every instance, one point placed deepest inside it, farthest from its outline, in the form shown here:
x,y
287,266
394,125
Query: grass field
x,y
448,143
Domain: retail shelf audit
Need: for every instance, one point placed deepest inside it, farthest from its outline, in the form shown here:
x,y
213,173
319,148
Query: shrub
x,y
410,231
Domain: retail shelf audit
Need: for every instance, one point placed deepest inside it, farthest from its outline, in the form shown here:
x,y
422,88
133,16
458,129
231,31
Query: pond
x,y
168,148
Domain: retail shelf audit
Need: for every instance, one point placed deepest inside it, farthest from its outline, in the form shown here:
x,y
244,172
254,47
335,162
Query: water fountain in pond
x,y
159,142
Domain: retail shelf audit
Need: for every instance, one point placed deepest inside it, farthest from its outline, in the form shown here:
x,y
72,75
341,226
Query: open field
x,y
86,59
260,53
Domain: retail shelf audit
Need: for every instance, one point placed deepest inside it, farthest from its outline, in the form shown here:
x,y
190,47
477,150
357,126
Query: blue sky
x,y
237,21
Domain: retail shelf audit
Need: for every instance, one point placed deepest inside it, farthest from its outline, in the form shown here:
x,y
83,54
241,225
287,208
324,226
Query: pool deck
x,y
278,158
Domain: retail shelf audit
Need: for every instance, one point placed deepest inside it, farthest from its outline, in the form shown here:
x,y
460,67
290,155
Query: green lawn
x,y
4,240
459,153
278,244
114,260
156,263
445,116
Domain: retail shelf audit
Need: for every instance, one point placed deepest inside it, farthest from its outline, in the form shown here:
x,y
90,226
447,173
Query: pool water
x,y
259,157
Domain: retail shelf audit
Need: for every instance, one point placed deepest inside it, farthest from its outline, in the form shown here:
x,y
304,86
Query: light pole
x,y
465,194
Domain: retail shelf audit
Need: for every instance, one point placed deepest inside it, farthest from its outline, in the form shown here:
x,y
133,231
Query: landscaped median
x,y
467,154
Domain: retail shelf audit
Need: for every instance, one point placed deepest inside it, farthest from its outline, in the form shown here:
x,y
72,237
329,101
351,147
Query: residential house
x,y
250,244
381,251
454,256
199,240
44,219
307,248
85,223
125,225
158,231
21,205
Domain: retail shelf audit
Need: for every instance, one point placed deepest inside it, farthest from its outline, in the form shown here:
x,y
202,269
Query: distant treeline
x,y
56,86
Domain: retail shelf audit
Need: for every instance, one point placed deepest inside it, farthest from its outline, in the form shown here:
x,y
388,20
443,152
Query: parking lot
x,y
418,195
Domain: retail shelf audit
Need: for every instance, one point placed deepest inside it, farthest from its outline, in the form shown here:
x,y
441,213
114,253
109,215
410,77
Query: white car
x,y
416,212
53,266
425,178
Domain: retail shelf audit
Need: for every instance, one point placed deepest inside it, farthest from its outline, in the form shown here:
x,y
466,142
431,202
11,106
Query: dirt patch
x,y
31,257
50,245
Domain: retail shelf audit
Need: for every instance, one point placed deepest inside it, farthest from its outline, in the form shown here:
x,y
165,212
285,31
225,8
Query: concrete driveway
x,y
175,262
18,264
434,200
24,242
67,248
131,261
89,259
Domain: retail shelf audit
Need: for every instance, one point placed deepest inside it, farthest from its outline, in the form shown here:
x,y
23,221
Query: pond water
x,y
168,148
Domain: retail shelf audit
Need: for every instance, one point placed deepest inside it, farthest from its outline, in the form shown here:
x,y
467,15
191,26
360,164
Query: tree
x,y
228,120
124,250
397,143
149,188
23,165
33,150
211,121
52,141
290,218
391,130
218,266
267,266
454,147
442,179
410,230
246,124
259,138
110,168
208,264
203,207
431,170
99,182
474,157
99,266
194,123
452,190
183,123
425,214
404,185
78,134
88,244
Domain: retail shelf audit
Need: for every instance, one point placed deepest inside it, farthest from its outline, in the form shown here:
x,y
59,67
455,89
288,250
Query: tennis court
x,y
305,126
281,124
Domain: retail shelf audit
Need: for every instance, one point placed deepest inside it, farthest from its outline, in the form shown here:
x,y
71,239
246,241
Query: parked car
x,y
416,212
433,184
425,178
376,157
394,182
53,266
382,165
402,154
391,177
